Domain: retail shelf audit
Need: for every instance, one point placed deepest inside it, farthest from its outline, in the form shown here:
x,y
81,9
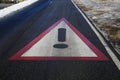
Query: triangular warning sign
x,y
62,41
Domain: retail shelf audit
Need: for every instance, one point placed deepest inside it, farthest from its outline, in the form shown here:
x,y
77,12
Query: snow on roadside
x,y
15,7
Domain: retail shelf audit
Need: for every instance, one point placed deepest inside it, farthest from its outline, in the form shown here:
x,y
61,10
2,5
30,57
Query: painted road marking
x,y
61,38
110,52
61,34
41,48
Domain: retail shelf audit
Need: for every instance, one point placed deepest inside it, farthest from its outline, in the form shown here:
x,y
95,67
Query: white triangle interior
x,y
44,47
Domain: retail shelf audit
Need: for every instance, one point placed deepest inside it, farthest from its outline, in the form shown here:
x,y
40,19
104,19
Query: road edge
x,y
110,52
16,7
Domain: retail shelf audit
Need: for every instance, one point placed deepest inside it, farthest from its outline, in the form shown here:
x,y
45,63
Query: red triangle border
x,y
100,55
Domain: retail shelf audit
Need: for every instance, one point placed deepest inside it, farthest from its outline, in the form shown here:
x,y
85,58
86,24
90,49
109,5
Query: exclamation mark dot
x,y
61,38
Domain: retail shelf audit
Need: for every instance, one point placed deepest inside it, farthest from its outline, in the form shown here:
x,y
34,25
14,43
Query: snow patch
x,y
16,7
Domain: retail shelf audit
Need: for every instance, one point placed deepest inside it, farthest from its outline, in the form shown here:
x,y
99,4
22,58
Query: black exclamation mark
x,y
61,38
61,34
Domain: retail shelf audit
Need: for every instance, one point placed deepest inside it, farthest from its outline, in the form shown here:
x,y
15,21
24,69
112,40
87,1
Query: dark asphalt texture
x,y
18,29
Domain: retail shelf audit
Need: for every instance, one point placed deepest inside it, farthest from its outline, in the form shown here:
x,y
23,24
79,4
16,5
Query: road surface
x,y
43,18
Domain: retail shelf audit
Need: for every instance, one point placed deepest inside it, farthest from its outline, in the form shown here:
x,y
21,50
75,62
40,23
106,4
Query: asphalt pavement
x,y
19,29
